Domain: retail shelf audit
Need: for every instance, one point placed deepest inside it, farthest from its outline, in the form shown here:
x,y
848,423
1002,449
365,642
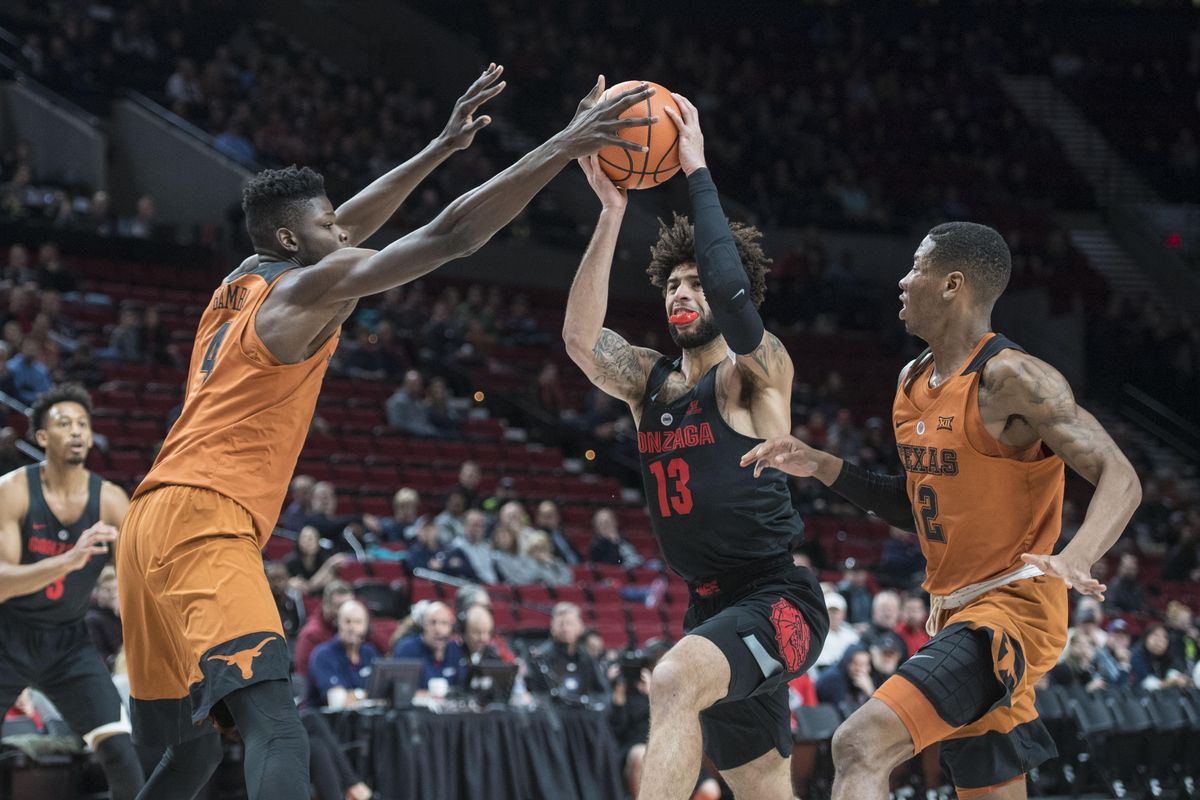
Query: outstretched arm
x,y
468,222
1019,385
611,363
366,212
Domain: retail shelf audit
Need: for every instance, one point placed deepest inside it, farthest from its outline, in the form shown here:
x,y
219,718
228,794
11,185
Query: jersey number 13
x,y
673,492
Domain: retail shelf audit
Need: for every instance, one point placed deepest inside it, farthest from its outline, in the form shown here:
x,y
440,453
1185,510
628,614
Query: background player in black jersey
x,y
57,520
754,620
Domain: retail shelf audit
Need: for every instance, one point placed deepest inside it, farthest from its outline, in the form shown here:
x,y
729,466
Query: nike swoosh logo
x,y
739,294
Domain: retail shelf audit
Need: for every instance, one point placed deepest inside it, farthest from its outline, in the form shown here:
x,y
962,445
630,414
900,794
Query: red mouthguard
x,y
683,317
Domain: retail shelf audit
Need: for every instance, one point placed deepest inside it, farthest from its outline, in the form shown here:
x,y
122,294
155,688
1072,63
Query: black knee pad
x,y
121,766
955,672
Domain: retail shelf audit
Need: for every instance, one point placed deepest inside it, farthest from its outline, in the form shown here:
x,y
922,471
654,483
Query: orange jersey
x,y
245,416
978,505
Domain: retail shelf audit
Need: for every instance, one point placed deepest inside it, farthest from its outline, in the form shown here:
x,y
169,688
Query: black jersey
x,y
709,514
43,536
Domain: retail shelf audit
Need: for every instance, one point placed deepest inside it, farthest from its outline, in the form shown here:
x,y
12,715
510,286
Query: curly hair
x,y
677,245
274,199
63,393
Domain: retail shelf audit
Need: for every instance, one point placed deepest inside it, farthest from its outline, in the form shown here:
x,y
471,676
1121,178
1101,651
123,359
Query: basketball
x,y
630,169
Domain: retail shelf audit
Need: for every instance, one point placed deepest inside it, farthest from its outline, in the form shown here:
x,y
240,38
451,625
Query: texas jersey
x,y
978,505
245,415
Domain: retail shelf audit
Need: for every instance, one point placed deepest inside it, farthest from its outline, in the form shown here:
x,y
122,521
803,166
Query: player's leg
x,y
866,748
79,685
692,676
185,768
768,777
946,686
276,755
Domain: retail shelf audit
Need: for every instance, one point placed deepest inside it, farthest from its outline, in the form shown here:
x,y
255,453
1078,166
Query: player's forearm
x,y
588,301
18,580
1118,494
726,286
366,212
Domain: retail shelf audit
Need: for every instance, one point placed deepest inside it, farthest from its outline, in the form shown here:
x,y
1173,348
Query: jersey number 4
x,y
927,498
679,498
210,355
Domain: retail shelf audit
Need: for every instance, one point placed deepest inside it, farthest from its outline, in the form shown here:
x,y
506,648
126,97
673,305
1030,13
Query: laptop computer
x,y
395,680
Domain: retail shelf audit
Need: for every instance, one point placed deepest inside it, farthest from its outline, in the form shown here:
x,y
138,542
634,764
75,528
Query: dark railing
x,y
24,446
184,127
1161,422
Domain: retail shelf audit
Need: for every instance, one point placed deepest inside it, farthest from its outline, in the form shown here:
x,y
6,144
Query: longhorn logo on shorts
x,y
791,634
243,659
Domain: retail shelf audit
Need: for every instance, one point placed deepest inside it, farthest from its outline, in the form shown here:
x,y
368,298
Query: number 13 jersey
x,y
245,415
709,514
978,504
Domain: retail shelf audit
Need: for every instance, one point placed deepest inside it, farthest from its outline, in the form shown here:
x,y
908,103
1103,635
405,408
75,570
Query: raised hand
x,y
460,130
785,453
596,121
611,196
691,138
1074,574
92,542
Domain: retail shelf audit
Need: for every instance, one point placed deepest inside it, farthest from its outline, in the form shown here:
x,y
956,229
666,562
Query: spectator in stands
x,y
311,568
853,587
125,341
155,339
506,492
536,565
142,224
1182,632
473,543
81,367
469,477
629,716
549,521
1152,666
842,636
99,218
885,618
512,517
849,684
288,600
28,374
608,545
338,669
1183,561
183,88
902,566
561,668
323,513
406,409
293,516
512,566
439,654
319,628
1077,668
1125,594
549,394
428,552
52,274
10,457
445,418
1089,622
103,618
592,642
913,616
17,269
405,521
452,520
1113,660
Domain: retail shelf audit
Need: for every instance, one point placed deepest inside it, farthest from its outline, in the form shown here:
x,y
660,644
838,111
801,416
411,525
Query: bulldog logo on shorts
x,y
791,634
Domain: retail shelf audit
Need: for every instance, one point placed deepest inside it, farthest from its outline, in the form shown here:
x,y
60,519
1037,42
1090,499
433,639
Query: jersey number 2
x,y
929,511
210,355
681,498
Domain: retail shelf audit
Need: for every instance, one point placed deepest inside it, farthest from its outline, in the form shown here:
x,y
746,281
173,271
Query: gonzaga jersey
x,y
978,505
42,536
245,416
708,513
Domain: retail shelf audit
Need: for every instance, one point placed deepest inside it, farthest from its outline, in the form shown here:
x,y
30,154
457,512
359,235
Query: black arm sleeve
x,y
726,287
882,495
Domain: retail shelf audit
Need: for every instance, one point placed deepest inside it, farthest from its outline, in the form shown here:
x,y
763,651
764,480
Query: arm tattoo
x,y
770,355
617,363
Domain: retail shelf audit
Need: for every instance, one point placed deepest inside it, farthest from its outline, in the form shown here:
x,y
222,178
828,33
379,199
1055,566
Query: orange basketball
x,y
630,169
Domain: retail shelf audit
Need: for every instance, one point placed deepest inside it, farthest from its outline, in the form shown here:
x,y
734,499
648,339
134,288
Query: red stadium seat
x,y
351,571
382,629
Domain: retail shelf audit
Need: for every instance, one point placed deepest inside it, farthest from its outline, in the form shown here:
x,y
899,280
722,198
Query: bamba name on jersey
x,y
928,460
669,441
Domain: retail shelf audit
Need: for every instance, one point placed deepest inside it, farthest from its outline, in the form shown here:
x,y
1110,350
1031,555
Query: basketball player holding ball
x,y
754,620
